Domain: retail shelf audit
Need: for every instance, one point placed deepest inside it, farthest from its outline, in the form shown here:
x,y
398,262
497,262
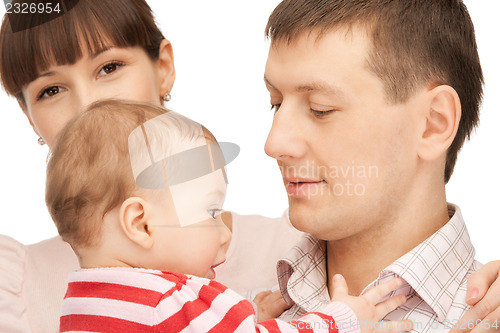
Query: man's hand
x,y
483,293
270,305
368,309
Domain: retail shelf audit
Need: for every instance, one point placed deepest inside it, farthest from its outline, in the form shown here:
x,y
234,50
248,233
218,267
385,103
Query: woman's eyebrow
x,y
99,51
45,74
92,56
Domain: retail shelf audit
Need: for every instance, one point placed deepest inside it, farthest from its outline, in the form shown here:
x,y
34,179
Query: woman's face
x,y
62,92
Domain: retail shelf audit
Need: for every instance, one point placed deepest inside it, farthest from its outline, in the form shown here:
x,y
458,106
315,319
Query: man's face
x,y
346,154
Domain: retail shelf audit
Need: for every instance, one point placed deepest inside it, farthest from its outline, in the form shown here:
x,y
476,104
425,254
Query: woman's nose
x,y
89,94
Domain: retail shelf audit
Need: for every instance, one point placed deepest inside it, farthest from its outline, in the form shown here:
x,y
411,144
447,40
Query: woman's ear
x,y
167,69
134,223
442,118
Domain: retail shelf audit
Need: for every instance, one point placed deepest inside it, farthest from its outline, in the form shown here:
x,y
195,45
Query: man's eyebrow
x,y
320,86
314,86
268,83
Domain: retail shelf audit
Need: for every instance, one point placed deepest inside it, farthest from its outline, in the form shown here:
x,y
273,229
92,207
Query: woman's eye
x,y
49,92
109,68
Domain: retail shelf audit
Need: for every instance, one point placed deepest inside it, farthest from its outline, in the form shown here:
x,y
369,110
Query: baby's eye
x,y
213,212
110,68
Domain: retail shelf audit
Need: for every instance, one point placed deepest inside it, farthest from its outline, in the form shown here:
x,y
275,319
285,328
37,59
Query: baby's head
x,y
128,185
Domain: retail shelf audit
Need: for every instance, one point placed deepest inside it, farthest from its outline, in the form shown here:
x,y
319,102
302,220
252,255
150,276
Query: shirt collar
x,y
302,274
434,269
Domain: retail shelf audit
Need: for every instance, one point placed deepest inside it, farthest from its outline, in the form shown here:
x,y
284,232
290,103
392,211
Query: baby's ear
x,y
133,221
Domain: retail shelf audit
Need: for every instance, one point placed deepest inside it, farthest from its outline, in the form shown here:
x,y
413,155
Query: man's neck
x,y
363,256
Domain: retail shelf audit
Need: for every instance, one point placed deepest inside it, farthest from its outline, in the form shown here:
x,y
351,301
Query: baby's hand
x,y
367,308
270,305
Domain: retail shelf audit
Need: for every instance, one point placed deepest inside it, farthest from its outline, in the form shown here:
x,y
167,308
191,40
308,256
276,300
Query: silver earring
x,y
41,141
167,97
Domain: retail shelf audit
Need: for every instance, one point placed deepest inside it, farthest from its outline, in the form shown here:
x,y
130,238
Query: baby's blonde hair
x,y
89,172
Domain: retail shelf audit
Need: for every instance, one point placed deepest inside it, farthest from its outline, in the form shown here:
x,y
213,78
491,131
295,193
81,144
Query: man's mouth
x,y
298,187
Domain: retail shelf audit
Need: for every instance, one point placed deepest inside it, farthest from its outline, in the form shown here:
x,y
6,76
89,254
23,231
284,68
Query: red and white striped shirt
x,y
141,300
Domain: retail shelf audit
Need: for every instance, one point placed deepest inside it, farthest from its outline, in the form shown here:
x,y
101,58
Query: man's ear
x,y
134,221
442,117
167,69
23,107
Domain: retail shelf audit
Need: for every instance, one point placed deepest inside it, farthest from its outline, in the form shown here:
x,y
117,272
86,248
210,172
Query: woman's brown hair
x,y
88,26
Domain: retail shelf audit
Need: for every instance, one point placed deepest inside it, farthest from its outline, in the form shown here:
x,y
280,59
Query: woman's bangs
x,y
86,29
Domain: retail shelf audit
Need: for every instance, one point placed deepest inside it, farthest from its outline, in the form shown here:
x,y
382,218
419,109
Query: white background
x,y
220,53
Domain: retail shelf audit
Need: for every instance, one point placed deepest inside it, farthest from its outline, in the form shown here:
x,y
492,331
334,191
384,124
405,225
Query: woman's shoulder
x,y
12,308
12,255
33,283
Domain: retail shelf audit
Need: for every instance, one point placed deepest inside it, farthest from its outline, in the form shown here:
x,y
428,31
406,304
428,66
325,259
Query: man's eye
x,y
49,92
275,107
321,114
110,68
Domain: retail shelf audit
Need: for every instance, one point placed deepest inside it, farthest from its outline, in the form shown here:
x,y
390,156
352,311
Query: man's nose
x,y
286,137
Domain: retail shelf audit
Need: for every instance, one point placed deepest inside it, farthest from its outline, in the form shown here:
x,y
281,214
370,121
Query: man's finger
x,y
474,315
491,324
479,282
485,307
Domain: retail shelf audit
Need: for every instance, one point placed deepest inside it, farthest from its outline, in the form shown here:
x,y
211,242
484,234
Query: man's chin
x,y
305,219
322,224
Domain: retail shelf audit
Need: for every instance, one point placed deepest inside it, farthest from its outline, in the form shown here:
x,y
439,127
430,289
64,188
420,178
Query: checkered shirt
x,y
434,274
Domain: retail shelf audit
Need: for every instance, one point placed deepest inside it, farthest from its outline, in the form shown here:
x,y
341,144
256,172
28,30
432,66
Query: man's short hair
x,y
414,43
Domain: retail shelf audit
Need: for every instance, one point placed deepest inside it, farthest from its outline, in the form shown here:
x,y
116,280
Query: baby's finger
x,y
260,296
279,301
276,296
374,295
393,326
389,305
339,286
